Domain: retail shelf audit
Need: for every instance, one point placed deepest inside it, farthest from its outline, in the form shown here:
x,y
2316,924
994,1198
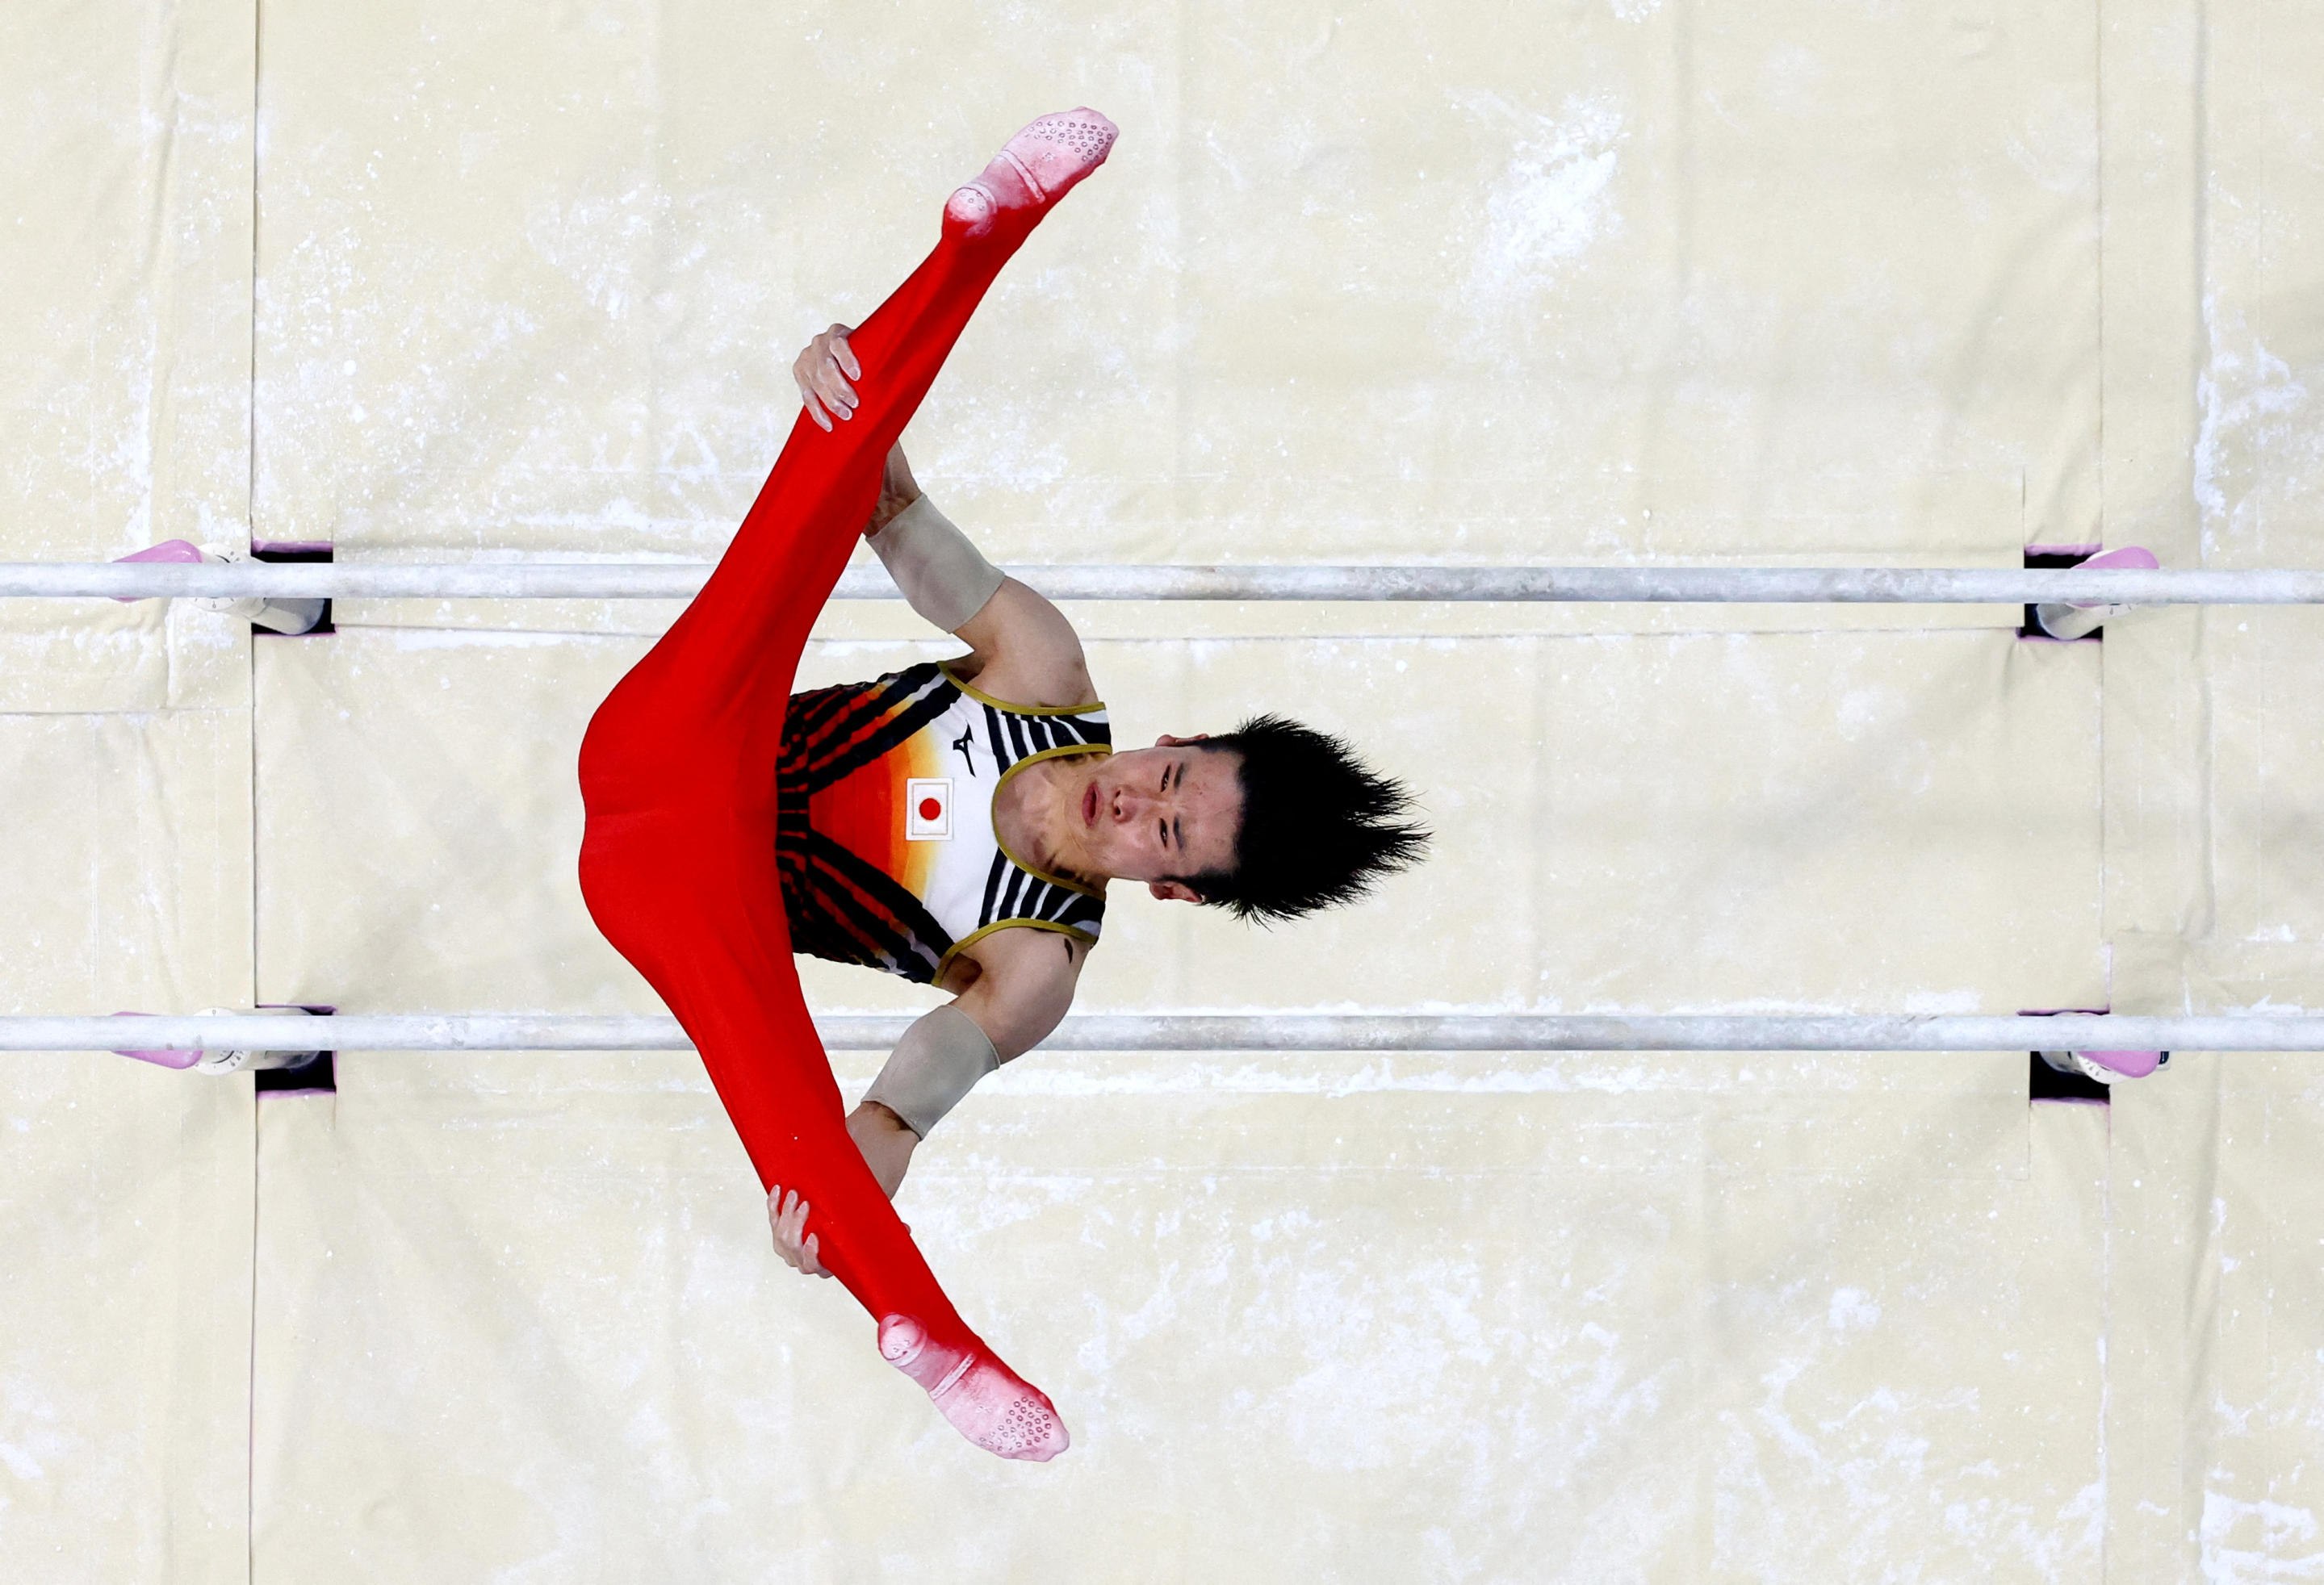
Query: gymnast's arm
x,y
1024,983
1022,648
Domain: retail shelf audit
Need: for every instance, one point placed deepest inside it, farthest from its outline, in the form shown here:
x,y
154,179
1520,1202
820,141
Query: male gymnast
x,y
956,823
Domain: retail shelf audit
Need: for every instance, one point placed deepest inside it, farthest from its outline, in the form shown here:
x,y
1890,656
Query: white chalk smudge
x,y
1553,198
2252,405
1852,1307
1550,202
2263,1534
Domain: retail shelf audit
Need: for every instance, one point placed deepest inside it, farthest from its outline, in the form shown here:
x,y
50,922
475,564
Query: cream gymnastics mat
x,y
1624,281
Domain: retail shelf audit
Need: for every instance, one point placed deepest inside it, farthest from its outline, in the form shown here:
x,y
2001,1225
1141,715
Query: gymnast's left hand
x,y
787,1214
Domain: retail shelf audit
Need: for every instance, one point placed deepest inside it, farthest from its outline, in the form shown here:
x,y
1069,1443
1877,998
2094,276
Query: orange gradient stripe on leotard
x,y
863,812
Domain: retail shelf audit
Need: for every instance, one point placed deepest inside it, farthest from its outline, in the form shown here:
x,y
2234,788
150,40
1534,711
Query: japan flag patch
x,y
928,808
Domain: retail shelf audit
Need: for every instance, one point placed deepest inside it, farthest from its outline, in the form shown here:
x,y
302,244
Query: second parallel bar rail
x,y
544,580
1214,1032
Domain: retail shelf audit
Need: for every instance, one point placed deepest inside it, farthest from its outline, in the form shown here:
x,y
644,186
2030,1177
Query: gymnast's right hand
x,y
787,1214
823,371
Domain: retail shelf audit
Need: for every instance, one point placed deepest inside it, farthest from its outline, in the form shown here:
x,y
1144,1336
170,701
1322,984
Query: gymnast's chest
x,y
919,810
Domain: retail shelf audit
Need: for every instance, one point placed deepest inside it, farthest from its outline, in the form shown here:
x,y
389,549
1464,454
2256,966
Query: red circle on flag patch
x,y
930,809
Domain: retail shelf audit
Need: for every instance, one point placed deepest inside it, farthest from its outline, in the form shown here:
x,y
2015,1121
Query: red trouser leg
x,y
678,775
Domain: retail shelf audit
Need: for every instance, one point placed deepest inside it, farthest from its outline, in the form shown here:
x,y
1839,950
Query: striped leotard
x,y
884,836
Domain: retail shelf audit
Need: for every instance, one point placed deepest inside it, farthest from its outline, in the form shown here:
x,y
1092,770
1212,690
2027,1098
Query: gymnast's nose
x,y
1131,805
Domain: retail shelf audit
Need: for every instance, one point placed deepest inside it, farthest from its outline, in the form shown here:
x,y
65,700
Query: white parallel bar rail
x,y
1210,1032
537,580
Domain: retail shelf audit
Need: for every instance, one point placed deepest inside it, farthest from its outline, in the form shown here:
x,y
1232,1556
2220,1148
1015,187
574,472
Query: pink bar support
x,y
167,550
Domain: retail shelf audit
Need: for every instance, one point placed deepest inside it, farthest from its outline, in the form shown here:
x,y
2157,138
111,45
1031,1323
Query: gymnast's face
x,y
1155,813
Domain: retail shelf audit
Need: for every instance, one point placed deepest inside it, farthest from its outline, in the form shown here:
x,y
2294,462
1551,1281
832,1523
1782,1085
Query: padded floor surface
x,y
1633,280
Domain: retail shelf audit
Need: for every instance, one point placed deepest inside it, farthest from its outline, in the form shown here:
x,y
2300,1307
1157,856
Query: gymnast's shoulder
x,y
1022,987
1023,652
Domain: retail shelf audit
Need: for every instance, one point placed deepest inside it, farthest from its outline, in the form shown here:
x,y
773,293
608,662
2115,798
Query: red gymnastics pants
x,y
678,775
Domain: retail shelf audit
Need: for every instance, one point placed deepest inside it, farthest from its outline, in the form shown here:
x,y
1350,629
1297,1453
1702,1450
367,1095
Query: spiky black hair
x,y
1319,827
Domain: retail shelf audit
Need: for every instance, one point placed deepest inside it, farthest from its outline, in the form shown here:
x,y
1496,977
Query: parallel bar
x,y
1679,584
1205,1032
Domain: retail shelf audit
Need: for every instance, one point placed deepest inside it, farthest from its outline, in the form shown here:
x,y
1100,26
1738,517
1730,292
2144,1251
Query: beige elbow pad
x,y
939,1060
943,578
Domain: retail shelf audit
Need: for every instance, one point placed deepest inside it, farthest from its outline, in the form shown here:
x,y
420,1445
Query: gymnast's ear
x,y
1174,892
